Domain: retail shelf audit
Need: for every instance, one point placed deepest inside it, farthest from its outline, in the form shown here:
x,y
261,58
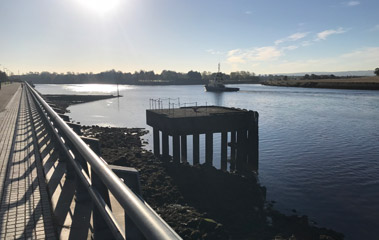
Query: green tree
x,y
376,71
194,76
3,76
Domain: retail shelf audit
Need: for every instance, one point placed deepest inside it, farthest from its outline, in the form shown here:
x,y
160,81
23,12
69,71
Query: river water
x,y
318,149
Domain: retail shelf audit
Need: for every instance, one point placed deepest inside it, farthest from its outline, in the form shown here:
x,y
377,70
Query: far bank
x,y
362,83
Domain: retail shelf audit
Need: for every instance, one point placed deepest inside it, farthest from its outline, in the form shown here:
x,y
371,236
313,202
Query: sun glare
x,y
100,6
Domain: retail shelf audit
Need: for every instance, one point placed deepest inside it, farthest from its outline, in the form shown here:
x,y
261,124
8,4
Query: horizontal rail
x,y
145,218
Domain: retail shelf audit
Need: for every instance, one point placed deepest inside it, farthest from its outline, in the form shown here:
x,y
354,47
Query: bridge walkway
x,y
25,210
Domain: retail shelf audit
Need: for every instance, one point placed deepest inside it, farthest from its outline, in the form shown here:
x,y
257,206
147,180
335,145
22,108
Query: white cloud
x,y
269,59
306,43
265,53
256,54
292,47
248,12
232,52
363,55
214,52
360,59
293,37
324,34
353,3
297,36
236,59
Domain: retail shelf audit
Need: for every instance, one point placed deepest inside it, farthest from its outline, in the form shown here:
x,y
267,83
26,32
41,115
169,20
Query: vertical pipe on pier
x,y
233,150
165,146
183,142
156,142
176,147
209,148
224,150
253,141
196,149
241,150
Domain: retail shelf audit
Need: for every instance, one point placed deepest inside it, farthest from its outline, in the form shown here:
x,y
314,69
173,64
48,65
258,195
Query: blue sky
x,y
261,36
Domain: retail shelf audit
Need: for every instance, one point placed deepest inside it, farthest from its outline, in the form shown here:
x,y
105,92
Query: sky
x,y
260,36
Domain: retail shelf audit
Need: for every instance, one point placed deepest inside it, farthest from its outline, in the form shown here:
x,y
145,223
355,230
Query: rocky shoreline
x,y
202,202
65,100
364,83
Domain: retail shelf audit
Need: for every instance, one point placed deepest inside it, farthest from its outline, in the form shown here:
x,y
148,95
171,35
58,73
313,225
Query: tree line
x,y
331,76
142,77
3,77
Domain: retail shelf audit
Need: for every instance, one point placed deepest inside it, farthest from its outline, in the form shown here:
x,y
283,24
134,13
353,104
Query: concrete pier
x,y
241,125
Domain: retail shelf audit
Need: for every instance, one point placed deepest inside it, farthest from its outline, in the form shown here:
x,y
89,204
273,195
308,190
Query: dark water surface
x,y
319,148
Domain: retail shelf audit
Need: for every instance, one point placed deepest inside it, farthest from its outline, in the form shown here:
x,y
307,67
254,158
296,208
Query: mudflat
x,y
6,93
362,83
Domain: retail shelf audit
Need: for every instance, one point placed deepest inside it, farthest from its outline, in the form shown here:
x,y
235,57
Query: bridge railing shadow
x,y
24,204
71,218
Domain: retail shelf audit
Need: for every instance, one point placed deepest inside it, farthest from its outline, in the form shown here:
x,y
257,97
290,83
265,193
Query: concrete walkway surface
x,y
25,210
6,93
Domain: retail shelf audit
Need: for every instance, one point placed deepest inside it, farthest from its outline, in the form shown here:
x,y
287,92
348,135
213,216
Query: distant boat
x,y
217,84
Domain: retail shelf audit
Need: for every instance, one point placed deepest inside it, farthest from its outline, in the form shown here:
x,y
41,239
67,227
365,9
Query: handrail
x,y
145,218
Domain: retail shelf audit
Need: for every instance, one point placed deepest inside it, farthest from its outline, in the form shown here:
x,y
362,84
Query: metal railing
x,y
169,104
139,212
163,103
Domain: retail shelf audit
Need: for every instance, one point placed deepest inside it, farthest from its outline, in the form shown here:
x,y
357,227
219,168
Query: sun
x,y
100,6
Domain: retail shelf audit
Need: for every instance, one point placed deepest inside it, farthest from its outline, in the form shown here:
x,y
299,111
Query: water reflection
x,y
218,98
96,88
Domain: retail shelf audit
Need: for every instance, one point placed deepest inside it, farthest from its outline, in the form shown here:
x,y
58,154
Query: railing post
x,y
70,171
81,194
130,176
101,229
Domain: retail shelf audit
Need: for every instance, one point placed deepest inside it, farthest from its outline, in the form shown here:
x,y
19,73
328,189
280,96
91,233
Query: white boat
x,y
217,84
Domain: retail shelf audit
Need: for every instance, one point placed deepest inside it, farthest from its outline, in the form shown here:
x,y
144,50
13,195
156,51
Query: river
x,y
318,149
